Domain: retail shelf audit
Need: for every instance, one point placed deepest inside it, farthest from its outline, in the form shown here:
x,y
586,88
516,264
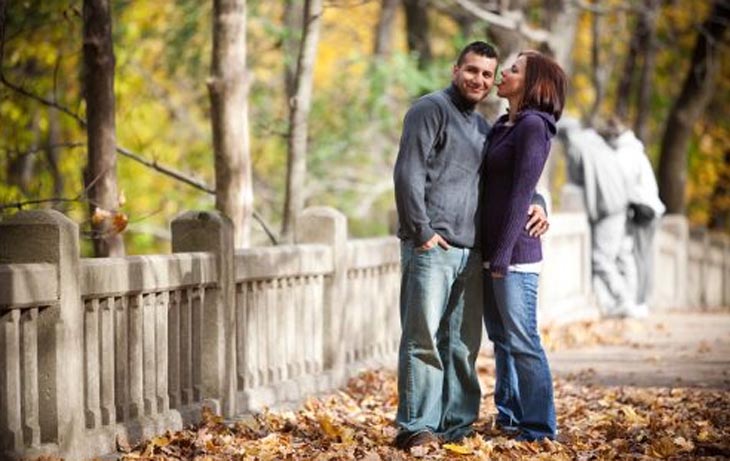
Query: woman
x,y
519,143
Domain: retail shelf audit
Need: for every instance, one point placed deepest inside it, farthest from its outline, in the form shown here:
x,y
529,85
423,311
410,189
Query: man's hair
x,y
480,48
545,84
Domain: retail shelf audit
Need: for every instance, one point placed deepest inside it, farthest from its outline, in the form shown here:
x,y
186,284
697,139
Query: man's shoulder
x,y
435,99
430,106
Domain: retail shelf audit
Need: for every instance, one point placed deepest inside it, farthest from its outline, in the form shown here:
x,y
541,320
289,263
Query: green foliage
x,y
162,110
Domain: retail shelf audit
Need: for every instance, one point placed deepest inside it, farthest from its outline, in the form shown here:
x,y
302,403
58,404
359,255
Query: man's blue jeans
x,y
523,391
441,309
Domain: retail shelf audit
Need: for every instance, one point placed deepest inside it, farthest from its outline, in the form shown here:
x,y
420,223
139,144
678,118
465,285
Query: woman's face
x,y
512,85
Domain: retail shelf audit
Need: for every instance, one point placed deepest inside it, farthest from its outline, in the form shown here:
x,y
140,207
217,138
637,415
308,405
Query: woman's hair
x,y
545,84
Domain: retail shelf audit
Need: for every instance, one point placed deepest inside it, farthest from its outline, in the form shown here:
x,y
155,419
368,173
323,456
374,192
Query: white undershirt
x,y
532,268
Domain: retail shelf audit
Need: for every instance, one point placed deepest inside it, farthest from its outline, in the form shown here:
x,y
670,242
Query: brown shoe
x,y
407,440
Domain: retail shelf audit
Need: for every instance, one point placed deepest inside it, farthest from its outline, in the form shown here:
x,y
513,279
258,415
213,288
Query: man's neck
x,y
459,100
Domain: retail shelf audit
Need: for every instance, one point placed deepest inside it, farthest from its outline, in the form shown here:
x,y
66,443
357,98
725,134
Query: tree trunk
x,y
695,94
53,152
647,27
101,170
292,19
561,17
418,31
22,167
298,117
228,89
599,69
384,31
719,210
509,43
626,80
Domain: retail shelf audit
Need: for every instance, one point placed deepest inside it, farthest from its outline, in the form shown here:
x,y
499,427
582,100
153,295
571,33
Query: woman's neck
x,y
511,114
514,106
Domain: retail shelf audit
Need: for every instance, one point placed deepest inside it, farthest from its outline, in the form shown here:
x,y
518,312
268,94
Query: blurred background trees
x,y
661,64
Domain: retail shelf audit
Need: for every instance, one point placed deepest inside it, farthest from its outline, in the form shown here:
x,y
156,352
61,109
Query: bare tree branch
x,y
20,205
42,100
70,145
153,164
182,177
511,20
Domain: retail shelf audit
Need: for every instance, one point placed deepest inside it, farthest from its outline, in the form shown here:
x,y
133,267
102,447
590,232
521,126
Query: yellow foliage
x,y
346,37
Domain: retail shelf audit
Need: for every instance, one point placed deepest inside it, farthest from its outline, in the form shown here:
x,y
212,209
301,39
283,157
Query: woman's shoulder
x,y
536,120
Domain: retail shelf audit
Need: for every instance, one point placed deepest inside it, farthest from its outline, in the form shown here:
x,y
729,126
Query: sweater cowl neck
x,y
461,103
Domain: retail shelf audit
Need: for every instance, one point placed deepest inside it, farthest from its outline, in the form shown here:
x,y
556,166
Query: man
x,y
437,176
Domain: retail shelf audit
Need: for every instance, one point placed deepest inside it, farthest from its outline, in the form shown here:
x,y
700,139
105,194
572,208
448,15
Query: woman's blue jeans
x,y
441,309
523,391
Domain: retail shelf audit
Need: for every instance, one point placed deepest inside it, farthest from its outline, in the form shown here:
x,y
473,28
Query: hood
x,y
628,140
548,118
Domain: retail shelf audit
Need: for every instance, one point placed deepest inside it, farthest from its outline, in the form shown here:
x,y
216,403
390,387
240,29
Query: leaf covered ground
x,y
356,423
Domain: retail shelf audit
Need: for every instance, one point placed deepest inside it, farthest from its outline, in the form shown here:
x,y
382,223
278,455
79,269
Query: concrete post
x,y
328,226
50,237
213,232
670,265
726,276
715,264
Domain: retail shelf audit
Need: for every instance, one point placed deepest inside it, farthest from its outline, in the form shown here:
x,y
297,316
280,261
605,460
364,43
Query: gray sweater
x,y
438,169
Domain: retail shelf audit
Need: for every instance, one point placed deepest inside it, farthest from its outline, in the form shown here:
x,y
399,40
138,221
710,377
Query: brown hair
x,y
480,48
545,84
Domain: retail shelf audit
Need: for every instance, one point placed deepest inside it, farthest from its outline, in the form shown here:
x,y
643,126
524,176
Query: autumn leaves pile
x,y
356,423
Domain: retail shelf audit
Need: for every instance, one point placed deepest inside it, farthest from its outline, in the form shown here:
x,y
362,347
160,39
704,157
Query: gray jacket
x,y
594,165
438,169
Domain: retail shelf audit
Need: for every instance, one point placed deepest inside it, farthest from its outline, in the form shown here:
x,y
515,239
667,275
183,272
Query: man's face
x,y
474,77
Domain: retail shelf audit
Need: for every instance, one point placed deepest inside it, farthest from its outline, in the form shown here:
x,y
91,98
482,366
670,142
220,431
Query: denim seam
x,y
411,384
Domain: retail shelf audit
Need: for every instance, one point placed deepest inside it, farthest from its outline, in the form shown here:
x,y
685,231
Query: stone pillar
x,y
213,232
50,237
328,226
671,260
726,273
715,270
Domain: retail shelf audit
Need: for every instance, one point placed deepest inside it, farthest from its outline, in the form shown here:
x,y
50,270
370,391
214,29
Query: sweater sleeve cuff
x,y
498,269
538,199
423,235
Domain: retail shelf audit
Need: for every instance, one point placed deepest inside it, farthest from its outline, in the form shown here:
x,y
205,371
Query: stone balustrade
x,y
93,350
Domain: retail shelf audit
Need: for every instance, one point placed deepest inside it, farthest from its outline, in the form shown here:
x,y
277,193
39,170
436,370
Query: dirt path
x,y
665,350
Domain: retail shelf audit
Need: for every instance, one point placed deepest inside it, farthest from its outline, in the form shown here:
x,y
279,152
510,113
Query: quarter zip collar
x,y
465,106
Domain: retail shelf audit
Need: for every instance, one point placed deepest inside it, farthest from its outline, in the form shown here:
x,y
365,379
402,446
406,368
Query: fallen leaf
x,y
458,449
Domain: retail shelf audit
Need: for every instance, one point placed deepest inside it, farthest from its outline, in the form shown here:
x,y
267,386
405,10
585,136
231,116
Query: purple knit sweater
x,y
516,155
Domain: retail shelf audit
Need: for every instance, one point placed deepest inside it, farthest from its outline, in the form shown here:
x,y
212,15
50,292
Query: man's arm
x,y
538,223
420,130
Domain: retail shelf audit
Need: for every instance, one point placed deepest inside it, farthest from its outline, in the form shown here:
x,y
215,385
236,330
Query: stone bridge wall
x,y
96,349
